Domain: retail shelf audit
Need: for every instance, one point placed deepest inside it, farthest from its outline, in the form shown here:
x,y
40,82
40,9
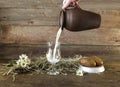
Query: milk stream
x,y
56,43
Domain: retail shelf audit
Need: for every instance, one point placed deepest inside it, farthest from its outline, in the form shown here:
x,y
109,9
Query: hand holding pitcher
x,y
67,3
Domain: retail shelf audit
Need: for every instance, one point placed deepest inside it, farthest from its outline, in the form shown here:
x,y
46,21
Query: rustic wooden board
x,y
109,78
106,52
36,22
28,15
26,3
43,34
53,3
110,18
21,14
25,14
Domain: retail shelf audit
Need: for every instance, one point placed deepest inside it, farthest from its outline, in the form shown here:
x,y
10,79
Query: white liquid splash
x,y
53,56
57,42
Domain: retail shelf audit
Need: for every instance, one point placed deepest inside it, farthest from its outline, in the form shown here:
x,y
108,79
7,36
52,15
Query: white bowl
x,y
98,69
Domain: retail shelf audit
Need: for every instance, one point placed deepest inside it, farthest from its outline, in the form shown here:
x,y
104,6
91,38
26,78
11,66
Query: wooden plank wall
x,y
36,22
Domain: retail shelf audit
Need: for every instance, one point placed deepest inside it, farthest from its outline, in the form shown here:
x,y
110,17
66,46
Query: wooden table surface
x,y
109,78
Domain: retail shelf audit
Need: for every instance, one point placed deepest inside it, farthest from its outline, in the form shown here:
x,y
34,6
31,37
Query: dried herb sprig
x,y
41,65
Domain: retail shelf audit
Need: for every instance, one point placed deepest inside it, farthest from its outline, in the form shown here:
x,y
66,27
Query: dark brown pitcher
x,y
77,19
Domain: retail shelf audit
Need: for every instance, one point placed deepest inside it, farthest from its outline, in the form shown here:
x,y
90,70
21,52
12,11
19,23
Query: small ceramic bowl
x,y
98,69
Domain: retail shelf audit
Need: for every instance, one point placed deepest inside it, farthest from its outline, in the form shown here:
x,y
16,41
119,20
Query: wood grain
x,y
36,22
46,17
43,34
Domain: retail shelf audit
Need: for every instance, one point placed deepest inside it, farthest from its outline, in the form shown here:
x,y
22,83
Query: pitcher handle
x,y
62,19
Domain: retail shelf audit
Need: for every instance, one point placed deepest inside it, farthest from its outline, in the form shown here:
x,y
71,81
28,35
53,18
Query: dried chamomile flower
x,y
23,61
23,57
79,72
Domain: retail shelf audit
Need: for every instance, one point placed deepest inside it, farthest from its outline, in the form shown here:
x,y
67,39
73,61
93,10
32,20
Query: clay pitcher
x,y
77,19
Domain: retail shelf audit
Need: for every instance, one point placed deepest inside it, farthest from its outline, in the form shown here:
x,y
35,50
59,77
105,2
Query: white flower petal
x,y
23,61
23,65
79,72
23,57
20,57
28,62
18,62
